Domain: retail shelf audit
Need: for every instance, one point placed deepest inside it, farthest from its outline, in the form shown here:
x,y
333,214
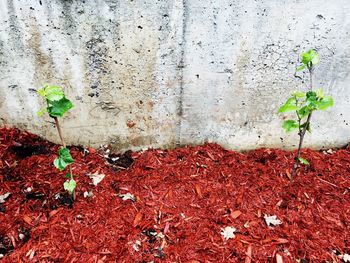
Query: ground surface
x,y
184,198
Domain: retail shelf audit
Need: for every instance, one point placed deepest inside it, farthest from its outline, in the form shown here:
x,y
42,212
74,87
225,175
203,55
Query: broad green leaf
x,y
311,94
304,111
303,161
305,58
60,164
310,56
311,99
65,155
290,125
301,68
287,108
299,94
52,93
325,103
290,105
64,159
70,185
58,108
320,93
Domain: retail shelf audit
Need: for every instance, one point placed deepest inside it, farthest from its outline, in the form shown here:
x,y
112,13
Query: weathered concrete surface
x,y
117,61
164,73
239,66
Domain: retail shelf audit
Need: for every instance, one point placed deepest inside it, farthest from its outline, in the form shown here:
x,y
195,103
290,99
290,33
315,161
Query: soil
x,y
171,205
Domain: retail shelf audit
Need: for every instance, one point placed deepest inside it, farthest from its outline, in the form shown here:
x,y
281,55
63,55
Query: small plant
x,y
304,104
57,106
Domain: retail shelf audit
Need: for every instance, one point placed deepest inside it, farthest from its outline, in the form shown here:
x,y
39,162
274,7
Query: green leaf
x,y
304,111
65,155
41,112
311,100
64,159
303,161
290,105
301,68
290,125
311,95
41,92
305,58
68,176
57,103
299,94
52,93
320,93
315,57
325,103
58,108
310,56
70,185
60,164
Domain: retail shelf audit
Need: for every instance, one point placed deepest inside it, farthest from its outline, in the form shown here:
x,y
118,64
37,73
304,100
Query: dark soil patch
x,y
183,199
23,151
121,161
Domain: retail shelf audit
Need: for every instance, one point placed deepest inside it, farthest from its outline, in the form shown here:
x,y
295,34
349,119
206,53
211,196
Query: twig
x,y
248,258
328,182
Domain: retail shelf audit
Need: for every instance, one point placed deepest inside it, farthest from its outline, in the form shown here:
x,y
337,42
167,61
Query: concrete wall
x,y
165,73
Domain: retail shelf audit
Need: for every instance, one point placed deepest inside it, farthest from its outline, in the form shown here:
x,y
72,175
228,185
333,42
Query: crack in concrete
x,y
181,67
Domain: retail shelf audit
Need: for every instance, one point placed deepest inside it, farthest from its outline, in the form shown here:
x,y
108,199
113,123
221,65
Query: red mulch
x,y
187,194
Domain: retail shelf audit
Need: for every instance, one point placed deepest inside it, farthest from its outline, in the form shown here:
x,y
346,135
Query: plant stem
x,y
59,131
301,139
303,131
64,145
311,69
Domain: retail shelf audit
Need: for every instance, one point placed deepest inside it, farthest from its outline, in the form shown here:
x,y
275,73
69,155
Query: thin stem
x,y
303,131
301,139
311,75
64,145
299,118
59,132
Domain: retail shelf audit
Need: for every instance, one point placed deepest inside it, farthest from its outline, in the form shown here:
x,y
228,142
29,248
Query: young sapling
x,y
57,106
303,104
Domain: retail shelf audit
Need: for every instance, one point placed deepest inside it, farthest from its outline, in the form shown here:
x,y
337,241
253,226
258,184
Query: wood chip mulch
x,y
172,205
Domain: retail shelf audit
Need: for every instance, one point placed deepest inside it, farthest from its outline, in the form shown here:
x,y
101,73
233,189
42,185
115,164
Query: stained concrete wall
x,y
165,73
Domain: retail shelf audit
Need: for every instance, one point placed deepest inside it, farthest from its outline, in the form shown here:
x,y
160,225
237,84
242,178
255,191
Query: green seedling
x,y
303,104
57,106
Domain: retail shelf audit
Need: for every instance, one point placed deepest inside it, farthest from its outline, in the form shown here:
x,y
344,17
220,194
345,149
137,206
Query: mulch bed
x,y
183,200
